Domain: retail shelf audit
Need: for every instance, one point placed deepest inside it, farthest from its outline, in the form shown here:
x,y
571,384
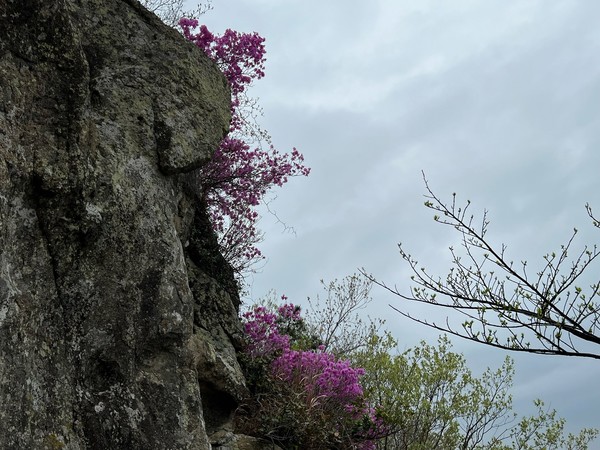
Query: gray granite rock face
x,y
118,316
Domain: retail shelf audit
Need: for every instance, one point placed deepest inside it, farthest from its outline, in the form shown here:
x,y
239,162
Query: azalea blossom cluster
x,y
240,56
235,181
329,387
321,374
239,175
261,327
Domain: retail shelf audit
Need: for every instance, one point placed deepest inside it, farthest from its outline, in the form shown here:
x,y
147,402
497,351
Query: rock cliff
x,y
118,315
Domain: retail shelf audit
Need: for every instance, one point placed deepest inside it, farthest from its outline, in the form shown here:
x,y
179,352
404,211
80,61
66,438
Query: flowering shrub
x,y
309,398
239,176
262,330
241,56
320,374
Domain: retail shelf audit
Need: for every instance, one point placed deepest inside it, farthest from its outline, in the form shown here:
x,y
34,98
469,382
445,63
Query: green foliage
x,y
544,431
431,396
433,400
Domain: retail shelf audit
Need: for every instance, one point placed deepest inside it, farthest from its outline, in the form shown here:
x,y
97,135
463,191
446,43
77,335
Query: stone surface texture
x,y
118,315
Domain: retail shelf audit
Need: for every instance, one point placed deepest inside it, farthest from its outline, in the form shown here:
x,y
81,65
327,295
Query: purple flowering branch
x,y
239,176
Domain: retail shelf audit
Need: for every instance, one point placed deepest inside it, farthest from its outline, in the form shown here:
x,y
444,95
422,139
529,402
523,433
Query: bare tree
x,y
170,11
335,320
503,304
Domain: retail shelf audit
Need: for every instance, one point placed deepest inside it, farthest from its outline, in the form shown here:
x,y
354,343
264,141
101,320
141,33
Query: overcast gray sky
x,y
497,100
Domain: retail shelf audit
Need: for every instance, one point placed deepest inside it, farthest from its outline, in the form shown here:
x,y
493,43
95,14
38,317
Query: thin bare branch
x,y
502,305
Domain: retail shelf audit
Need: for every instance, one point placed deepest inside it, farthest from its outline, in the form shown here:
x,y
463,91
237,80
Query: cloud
x,y
497,101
